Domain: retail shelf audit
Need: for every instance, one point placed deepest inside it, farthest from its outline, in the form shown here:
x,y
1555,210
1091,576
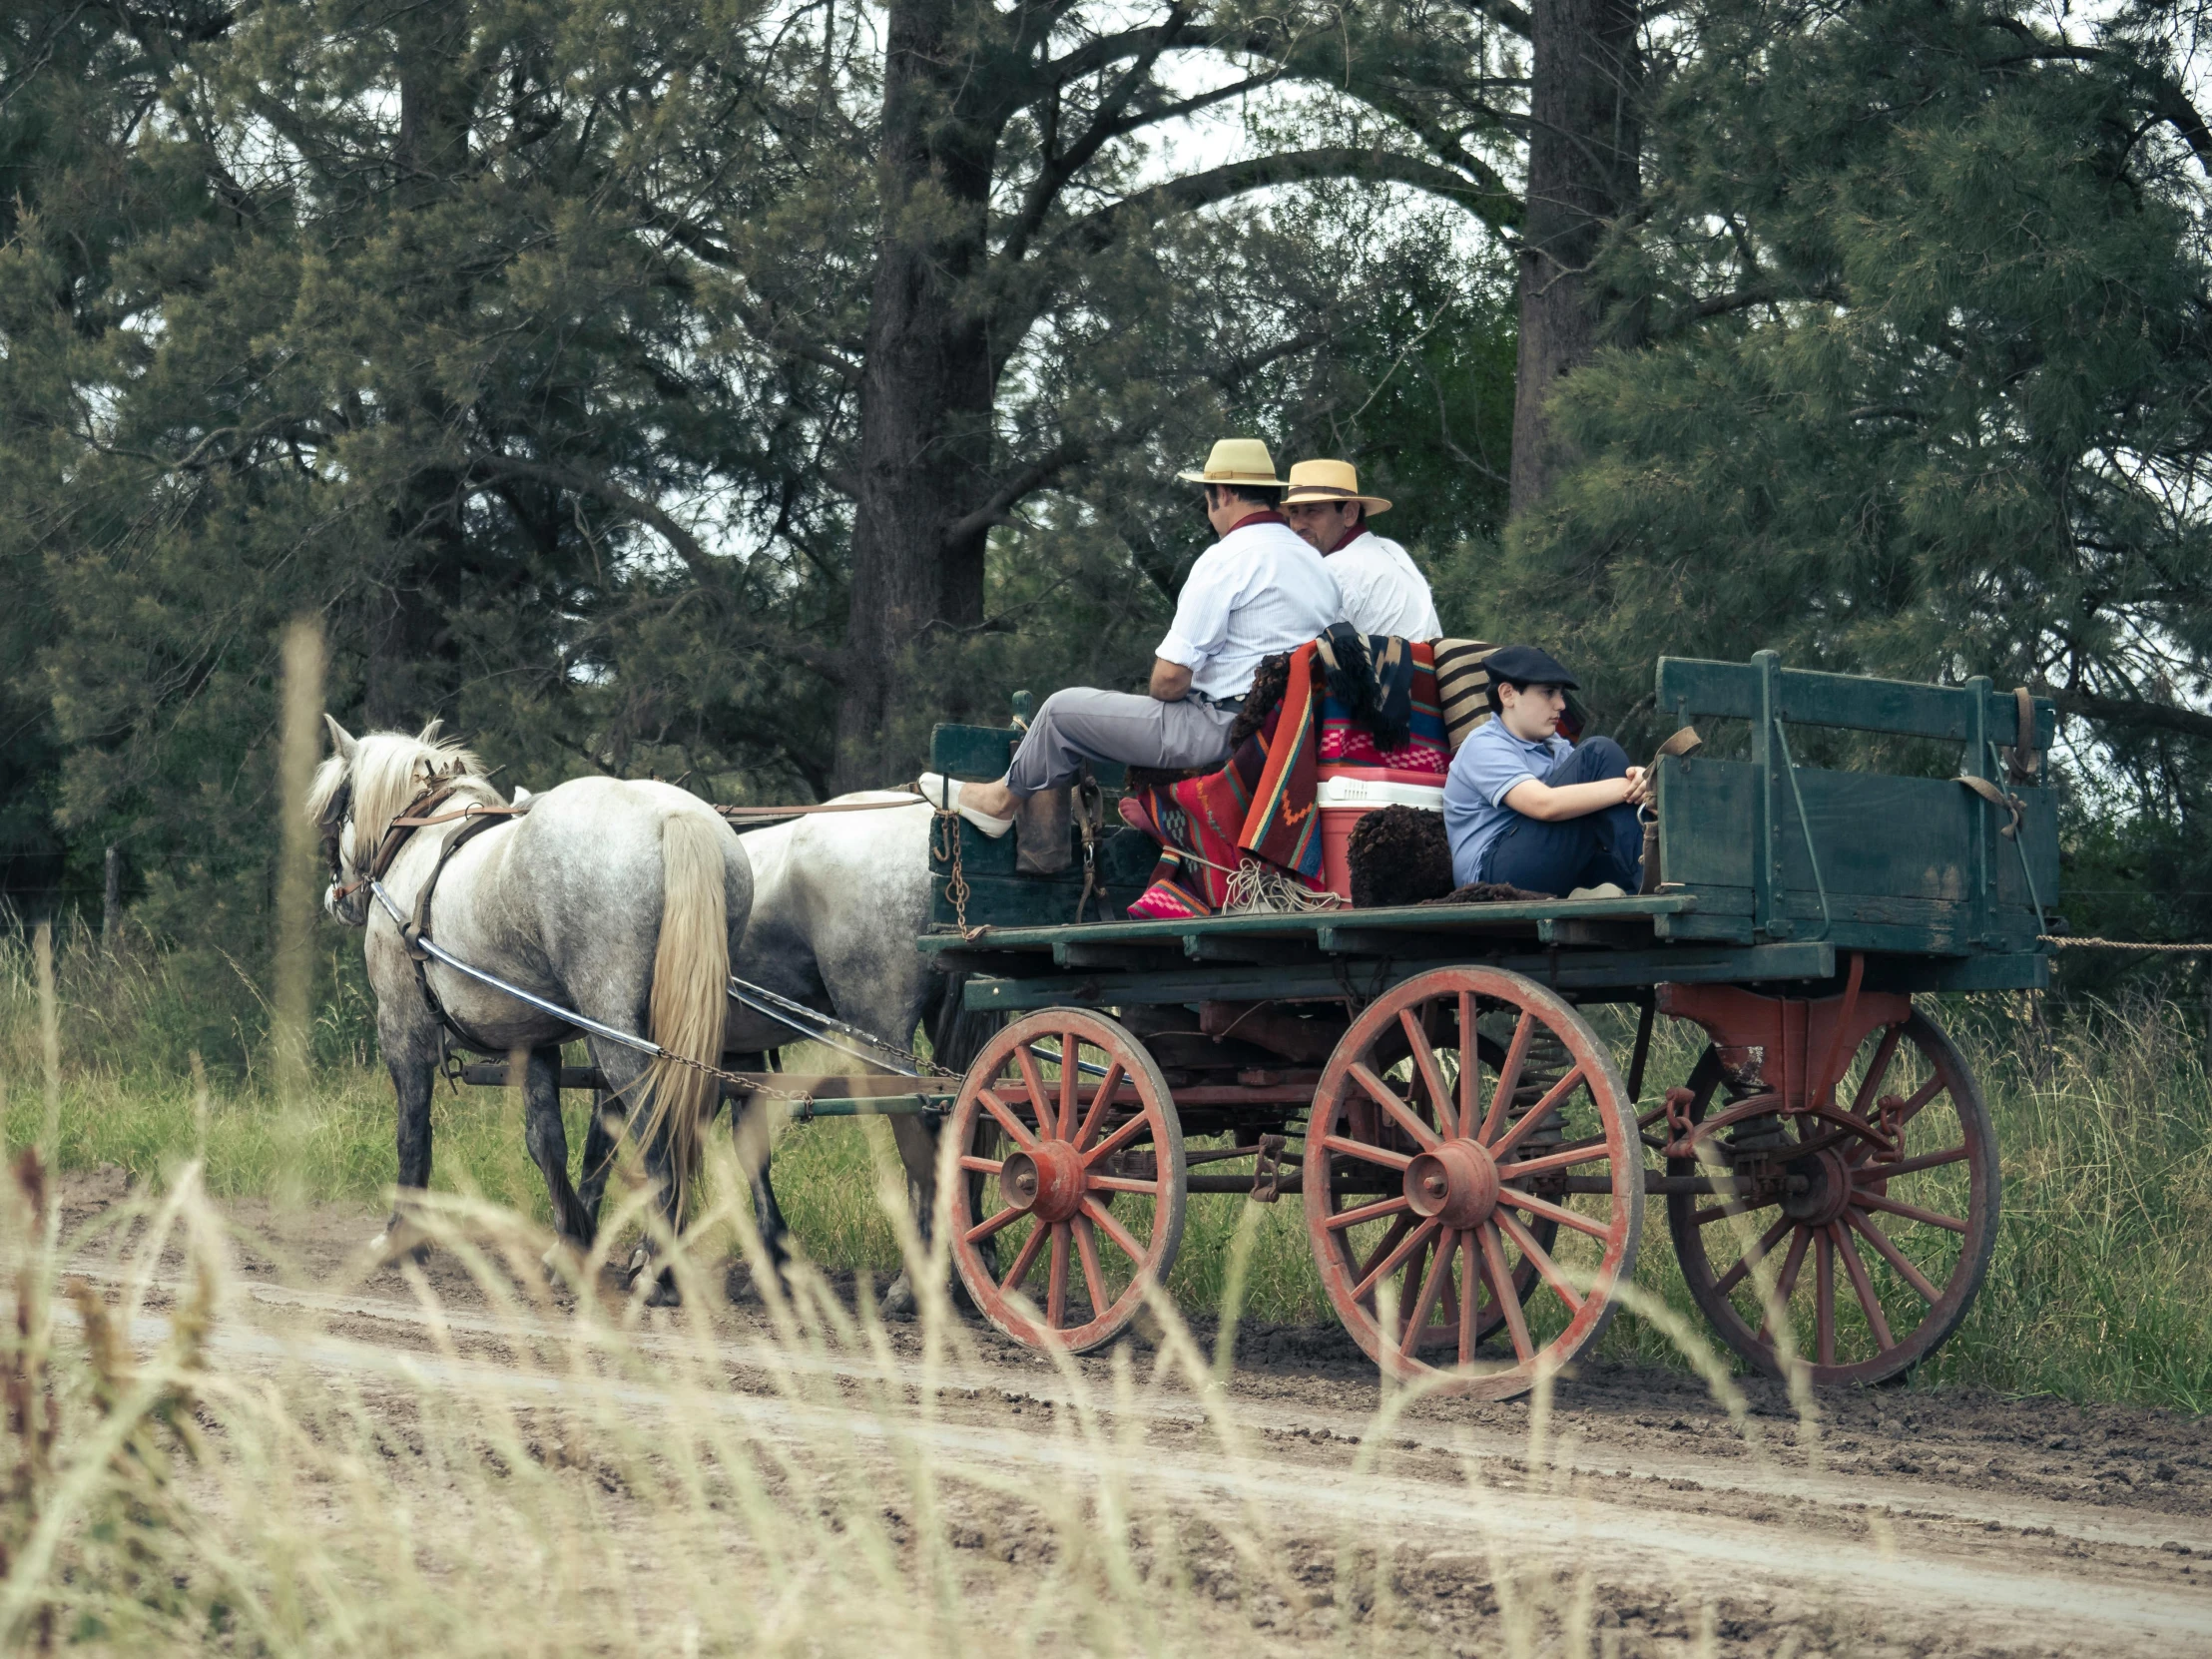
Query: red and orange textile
x,y
1260,805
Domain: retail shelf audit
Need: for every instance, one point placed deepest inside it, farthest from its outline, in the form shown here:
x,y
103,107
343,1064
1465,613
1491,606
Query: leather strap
x,y
2003,802
418,927
1684,742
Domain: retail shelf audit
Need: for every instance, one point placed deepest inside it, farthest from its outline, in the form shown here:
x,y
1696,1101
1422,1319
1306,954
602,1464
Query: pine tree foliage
x,y
1928,387
524,342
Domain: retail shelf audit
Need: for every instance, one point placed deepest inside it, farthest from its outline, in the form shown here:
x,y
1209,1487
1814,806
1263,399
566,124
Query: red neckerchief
x,y
1266,515
1349,536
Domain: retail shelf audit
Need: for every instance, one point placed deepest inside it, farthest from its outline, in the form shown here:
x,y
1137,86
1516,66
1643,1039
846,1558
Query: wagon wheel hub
x,y
1046,1181
1457,1184
1818,1190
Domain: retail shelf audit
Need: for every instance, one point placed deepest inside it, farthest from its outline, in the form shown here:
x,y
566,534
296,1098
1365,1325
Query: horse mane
x,y
387,772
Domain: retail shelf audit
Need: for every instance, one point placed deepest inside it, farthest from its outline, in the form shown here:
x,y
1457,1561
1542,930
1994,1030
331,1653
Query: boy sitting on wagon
x,y
1524,807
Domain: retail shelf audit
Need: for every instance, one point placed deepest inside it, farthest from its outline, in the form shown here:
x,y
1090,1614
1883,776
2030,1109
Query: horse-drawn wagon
x,y
1428,1080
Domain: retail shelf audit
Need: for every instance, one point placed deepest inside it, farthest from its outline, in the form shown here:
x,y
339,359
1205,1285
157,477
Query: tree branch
x,y
705,566
1097,231
2135,712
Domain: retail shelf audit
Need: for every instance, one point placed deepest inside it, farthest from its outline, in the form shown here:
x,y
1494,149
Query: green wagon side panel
x,y
1894,853
996,892
1688,687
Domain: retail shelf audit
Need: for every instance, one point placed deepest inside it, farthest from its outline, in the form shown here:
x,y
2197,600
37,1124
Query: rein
x,y
416,816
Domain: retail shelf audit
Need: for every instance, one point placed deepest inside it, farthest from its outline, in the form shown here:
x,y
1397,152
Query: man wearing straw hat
x,y
1256,592
1384,592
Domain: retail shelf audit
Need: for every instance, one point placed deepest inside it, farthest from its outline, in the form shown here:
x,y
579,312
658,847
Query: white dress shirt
x,y
1258,591
1383,590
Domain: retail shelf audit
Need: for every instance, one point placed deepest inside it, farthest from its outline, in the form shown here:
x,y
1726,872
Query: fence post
x,y
111,897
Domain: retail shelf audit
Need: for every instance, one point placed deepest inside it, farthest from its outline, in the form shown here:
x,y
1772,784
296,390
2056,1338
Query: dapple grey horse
x,y
838,901
620,900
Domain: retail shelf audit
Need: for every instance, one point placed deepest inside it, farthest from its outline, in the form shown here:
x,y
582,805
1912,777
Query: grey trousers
x,y
1081,723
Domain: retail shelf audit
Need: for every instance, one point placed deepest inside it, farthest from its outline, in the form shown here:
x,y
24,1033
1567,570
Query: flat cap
x,y
1529,666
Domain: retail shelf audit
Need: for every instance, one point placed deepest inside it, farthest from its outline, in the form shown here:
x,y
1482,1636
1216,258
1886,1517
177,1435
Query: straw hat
x,y
1329,482
1237,461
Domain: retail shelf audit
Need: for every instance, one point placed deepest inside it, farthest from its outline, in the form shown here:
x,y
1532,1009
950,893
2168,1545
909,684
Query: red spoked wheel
x,y
1438,1188
1071,1167
1875,1219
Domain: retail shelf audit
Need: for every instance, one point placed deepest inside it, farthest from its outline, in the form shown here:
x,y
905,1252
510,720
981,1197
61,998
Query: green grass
x,y
2101,1286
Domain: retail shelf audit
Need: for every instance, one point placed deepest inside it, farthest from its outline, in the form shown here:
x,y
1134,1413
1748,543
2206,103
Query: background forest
x,y
729,390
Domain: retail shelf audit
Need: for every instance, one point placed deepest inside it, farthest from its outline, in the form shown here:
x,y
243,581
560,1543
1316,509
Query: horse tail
x,y
691,987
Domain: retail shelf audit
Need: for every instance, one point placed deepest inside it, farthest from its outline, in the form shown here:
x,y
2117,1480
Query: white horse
x,y
621,902
839,901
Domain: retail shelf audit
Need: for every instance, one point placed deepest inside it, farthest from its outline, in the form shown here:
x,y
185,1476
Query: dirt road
x,y
1910,1522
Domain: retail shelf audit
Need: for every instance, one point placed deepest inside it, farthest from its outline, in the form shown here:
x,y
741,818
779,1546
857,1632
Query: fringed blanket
x,y
1260,805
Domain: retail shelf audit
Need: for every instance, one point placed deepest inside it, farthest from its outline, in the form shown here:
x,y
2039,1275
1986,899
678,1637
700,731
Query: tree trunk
x,y
926,398
1584,145
407,626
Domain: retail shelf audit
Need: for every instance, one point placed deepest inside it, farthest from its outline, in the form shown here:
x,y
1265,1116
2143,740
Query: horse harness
x,y
421,813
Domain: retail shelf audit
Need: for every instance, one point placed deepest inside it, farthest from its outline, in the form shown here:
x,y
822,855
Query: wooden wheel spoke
x,y
1101,1103
1431,1287
1071,1068
1471,1072
1567,1158
1118,1139
1024,1259
1400,1225
1877,1069
984,1229
1508,1076
1910,1212
1429,1070
1124,1240
1824,1296
1913,1166
1368,1212
1546,1210
1732,1207
1546,1268
1032,1080
1400,1113
1508,1300
1007,1120
1094,1280
1862,1287
1367,1152
1120,1184
1056,1280
1415,1237
982,1166
1886,1247
1753,1255
1471,1293
1785,1282
1536,1114
1919,1097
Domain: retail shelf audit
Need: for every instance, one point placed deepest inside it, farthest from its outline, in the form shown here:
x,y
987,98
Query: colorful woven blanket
x,y
1260,805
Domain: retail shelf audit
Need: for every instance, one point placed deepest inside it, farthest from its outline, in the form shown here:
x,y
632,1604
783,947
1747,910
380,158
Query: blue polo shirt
x,y
1490,765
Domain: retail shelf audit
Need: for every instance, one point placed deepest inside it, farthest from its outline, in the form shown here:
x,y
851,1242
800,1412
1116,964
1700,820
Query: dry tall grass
x,y
2101,1288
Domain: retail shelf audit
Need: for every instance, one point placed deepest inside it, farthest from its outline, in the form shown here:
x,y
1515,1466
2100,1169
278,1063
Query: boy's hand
x,y
1639,786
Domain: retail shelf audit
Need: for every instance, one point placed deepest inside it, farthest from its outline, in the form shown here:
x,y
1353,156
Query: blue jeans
x,y
1573,853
